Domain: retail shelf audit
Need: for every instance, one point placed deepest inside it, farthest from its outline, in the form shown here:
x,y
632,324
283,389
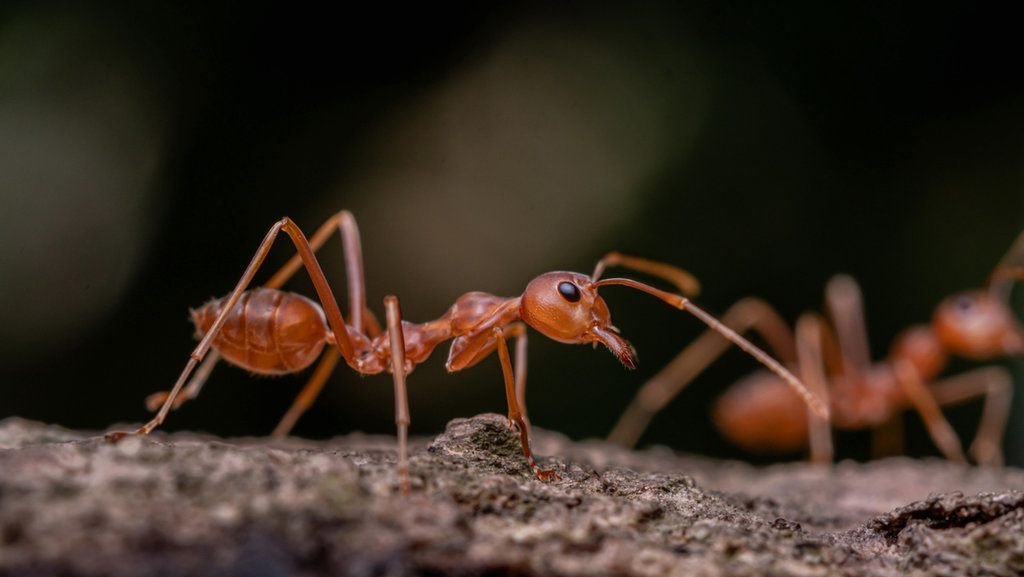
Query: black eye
x,y
964,304
569,291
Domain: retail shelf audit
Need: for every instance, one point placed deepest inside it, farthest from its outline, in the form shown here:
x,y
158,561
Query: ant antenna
x,y
683,303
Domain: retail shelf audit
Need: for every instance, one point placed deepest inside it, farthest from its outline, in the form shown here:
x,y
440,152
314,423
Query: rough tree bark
x,y
186,504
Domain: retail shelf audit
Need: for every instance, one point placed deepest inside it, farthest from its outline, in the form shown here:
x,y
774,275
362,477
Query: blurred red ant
x,y
759,415
268,331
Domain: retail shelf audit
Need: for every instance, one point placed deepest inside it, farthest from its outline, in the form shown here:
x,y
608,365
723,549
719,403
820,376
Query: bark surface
x,y
187,504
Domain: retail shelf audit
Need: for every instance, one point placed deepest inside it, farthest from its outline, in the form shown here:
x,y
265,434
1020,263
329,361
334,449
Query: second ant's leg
x,y
846,308
996,386
887,438
309,393
514,414
1010,269
402,420
810,329
747,314
924,402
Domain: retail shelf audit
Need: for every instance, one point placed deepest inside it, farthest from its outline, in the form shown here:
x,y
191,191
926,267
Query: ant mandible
x,y
272,332
760,415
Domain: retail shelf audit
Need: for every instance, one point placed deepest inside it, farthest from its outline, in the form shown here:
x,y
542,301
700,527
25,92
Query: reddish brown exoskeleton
x,y
268,331
761,415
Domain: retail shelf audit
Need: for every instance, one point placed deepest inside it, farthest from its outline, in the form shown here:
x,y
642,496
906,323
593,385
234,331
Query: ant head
x,y
565,306
978,325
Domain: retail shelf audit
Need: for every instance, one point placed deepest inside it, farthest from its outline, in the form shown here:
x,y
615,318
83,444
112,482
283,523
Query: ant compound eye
x,y
964,304
569,291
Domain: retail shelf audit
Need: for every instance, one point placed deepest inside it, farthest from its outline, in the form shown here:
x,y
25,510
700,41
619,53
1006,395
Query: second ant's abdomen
x,y
762,414
269,332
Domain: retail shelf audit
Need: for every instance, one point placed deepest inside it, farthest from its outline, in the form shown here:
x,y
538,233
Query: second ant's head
x,y
565,306
978,325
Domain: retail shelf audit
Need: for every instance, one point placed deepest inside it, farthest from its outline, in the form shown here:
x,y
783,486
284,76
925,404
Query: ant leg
x,y
514,414
309,393
488,344
156,400
373,328
924,402
996,386
846,308
520,373
346,225
330,305
1009,270
359,315
398,370
887,438
747,314
684,304
809,331
687,284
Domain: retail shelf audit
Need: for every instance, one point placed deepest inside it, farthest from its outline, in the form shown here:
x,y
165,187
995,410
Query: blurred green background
x,y
145,148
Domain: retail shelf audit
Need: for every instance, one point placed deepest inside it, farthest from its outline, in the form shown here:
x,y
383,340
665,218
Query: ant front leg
x,y
515,415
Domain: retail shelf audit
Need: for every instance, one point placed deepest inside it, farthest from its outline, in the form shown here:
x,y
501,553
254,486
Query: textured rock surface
x,y
184,504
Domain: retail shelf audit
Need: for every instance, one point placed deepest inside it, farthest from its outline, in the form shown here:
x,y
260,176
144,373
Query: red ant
x,y
759,415
268,331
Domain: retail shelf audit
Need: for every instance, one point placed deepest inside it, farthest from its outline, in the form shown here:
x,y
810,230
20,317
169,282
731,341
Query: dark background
x,y
145,150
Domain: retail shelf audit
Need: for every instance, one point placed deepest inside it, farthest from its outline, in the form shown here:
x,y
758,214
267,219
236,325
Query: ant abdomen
x,y
762,414
269,332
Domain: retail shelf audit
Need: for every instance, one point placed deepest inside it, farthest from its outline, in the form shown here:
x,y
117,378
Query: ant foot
x,y
512,424
546,475
116,436
986,454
